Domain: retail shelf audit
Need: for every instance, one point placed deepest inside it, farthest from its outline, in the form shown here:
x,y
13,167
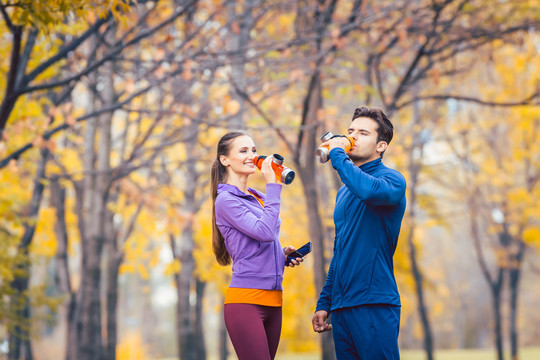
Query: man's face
x,y
366,148
240,158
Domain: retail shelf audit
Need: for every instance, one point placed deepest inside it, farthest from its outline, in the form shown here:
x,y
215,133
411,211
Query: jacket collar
x,y
371,165
236,191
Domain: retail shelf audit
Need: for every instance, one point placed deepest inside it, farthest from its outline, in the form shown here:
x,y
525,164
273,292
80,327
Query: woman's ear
x,y
224,160
381,146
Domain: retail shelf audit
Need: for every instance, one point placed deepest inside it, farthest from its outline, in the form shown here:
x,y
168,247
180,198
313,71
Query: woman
x,y
246,230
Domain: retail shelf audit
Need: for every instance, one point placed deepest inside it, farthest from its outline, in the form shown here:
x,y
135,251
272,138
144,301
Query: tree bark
x,y
62,273
305,164
200,344
495,283
223,337
414,172
96,192
186,317
239,42
114,260
514,281
183,280
497,317
19,335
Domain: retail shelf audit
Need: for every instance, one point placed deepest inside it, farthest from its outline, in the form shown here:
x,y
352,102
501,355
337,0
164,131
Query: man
x,y
360,289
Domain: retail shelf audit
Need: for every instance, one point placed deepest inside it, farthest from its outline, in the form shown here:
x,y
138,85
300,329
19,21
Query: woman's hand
x,y
267,171
288,250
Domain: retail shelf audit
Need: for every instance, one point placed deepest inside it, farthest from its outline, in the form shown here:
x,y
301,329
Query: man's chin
x,y
356,158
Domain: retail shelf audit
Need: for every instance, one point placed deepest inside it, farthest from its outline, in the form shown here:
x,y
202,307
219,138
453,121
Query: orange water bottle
x,y
322,152
283,173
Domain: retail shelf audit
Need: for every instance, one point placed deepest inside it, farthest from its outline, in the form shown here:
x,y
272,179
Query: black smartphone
x,y
301,252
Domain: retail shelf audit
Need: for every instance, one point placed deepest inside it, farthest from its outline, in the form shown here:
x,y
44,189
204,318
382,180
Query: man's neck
x,y
360,162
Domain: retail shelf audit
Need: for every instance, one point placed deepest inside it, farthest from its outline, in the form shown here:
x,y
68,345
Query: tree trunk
x,y
114,260
305,163
96,215
19,335
200,346
73,315
9,100
414,172
62,273
183,279
239,42
418,281
223,337
58,201
497,318
514,280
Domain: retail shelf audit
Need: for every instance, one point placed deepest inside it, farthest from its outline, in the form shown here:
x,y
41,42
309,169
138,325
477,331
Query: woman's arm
x,y
231,211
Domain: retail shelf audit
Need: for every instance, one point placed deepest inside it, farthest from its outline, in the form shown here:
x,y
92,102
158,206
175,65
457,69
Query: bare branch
x,y
266,118
63,52
47,135
5,15
527,101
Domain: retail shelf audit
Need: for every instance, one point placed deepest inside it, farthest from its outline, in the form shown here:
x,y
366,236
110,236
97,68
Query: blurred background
x,y
109,120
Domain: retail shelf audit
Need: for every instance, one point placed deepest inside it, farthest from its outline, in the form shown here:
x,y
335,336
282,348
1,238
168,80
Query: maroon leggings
x,y
254,330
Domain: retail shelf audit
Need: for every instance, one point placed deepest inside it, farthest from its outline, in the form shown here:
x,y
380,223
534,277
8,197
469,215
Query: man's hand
x,y
339,141
319,321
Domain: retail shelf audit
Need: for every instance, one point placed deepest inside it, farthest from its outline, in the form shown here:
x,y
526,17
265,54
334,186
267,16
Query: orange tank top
x,y
254,296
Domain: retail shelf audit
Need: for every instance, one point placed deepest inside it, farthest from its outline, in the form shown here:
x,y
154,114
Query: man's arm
x,y
325,303
386,190
325,298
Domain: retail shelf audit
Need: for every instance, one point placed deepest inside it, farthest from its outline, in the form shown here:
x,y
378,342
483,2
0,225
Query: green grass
x,y
469,354
530,353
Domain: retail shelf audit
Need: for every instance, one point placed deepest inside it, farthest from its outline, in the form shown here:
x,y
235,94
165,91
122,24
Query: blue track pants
x,y
368,332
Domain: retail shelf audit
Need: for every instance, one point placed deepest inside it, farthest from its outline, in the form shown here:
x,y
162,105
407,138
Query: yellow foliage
x,y
172,268
531,236
44,242
231,107
143,272
127,269
131,347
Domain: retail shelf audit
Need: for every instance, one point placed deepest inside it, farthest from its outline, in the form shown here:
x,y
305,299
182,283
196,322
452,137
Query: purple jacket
x,y
251,235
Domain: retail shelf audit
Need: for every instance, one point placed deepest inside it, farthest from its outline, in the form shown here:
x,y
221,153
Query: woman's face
x,y
241,155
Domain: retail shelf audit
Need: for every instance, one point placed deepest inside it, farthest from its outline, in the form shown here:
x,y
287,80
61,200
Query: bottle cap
x,y
278,159
327,136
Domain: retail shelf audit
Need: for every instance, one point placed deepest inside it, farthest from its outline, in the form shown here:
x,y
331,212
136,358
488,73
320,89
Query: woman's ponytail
x,y
219,176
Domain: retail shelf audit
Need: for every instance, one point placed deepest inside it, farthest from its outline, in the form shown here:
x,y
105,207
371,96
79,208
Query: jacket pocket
x,y
254,253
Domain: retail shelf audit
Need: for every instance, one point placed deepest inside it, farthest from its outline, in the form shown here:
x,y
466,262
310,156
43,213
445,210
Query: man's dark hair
x,y
385,131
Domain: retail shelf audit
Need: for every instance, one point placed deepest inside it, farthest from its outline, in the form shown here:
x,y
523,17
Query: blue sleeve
x,y
385,190
231,211
325,298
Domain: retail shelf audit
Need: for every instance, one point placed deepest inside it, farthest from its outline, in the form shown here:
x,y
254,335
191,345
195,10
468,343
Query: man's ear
x,y
223,160
381,146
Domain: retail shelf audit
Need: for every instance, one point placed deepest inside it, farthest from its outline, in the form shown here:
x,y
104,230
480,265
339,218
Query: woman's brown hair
x,y
219,176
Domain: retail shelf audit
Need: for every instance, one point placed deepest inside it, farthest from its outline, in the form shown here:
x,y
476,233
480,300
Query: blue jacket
x,y
368,213
251,235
